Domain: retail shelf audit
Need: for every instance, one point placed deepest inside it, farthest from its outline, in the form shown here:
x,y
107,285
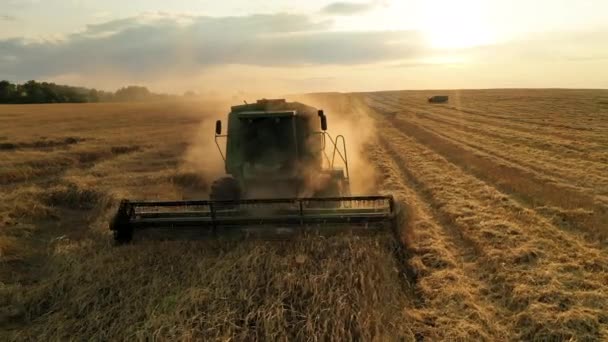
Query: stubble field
x,y
505,239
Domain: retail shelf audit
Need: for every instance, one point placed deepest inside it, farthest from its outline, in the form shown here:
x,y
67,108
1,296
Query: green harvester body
x,y
285,175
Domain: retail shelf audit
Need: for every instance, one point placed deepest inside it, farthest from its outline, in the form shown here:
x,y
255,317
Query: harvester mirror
x,y
218,127
324,123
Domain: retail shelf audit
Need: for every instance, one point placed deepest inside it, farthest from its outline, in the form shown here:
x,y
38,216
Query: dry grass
x,y
548,152
532,247
62,278
337,288
506,194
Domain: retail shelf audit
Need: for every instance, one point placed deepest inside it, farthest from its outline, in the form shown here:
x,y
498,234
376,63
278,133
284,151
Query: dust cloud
x,y
202,157
347,116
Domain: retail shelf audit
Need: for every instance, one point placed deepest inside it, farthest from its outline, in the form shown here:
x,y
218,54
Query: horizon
x,y
286,95
321,92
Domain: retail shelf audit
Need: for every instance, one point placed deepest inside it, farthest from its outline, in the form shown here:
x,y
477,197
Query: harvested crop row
x,y
552,111
552,283
568,207
582,145
586,175
573,149
533,117
545,122
589,174
567,171
579,144
452,301
572,154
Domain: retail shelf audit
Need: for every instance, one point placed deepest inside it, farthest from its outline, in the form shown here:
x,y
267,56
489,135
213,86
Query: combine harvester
x,y
283,180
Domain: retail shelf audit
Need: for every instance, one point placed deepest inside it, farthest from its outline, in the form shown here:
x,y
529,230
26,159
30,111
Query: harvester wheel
x,y
225,189
120,225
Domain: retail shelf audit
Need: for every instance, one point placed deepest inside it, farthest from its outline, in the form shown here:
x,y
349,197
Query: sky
x,y
306,46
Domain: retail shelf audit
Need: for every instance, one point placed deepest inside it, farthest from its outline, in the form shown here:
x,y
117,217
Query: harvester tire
x,y
123,232
225,189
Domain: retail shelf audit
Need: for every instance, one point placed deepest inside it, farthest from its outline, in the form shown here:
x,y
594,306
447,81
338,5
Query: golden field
x,y
505,239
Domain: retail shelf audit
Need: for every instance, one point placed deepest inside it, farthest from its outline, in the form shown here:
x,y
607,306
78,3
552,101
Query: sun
x,y
455,24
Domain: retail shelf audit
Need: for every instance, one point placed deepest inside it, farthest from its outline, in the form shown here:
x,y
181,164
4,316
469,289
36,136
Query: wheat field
x,y
506,194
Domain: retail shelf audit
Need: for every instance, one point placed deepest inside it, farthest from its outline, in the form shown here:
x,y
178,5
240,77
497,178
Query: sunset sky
x,y
302,46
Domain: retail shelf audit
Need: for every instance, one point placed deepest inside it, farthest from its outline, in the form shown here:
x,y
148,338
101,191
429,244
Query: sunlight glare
x,y
455,24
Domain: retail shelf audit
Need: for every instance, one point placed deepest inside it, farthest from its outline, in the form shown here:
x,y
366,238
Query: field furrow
x,y
569,171
572,150
541,274
449,293
582,146
569,208
508,117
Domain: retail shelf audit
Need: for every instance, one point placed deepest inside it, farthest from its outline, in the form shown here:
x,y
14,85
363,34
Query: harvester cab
x,y
274,149
285,175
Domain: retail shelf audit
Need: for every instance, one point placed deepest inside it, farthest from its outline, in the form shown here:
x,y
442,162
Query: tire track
x,y
450,297
542,164
572,150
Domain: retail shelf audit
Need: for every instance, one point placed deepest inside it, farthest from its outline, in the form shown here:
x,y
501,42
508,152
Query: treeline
x,y
44,92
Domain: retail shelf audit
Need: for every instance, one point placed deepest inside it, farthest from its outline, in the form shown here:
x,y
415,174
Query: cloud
x,y
110,26
587,59
414,64
255,51
544,47
155,44
348,8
